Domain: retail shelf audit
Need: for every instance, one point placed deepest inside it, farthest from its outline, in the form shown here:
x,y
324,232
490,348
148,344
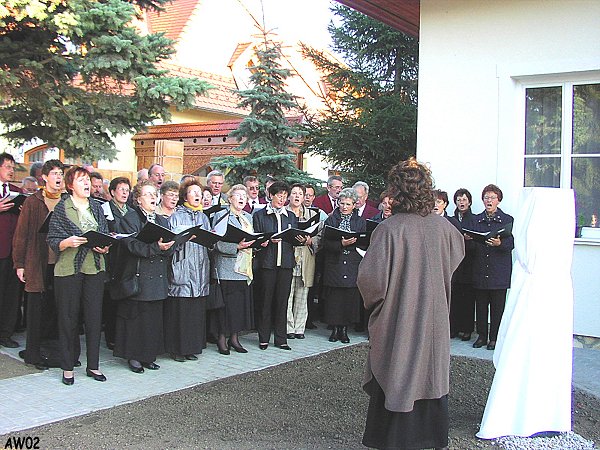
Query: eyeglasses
x,y
239,195
56,173
122,189
172,194
149,194
281,195
253,188
490,197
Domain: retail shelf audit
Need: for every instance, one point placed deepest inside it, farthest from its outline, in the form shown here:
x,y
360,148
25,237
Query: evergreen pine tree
x,y
76,73
265,133
370,121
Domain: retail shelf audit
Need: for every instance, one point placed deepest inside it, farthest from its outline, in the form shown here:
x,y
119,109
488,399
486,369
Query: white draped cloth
x,y
531,391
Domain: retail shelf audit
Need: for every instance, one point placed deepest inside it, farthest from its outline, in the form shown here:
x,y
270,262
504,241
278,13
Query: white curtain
x,y
531,391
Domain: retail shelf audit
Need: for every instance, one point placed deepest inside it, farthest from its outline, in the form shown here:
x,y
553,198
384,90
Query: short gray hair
x,y
169,186
332,178
214,173
364,185
348,193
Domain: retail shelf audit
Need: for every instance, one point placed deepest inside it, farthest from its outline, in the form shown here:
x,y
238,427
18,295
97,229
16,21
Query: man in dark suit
x,y
9,283
328,202
214,181
365,210
254,201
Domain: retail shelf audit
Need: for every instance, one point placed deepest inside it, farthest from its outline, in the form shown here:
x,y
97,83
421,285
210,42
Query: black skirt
x,y
426,426
238,313
185,325
342,305
139,330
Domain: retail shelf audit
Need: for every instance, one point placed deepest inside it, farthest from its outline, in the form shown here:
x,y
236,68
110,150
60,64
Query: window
x,y
562,142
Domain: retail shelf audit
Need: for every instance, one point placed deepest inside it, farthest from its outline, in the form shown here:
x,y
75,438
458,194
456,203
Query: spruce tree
x,y
76,73
370,121
265,133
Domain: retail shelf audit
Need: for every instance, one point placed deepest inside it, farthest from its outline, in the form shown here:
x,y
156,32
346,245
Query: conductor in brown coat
x,y
405,277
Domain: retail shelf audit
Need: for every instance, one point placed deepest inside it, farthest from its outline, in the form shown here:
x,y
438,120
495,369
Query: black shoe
x,y
480,342
343,335
95,376
491,345
310,326
291,336
178,358
22,354
299,336
191,357
68,381
135,368
110,345
466,337
263,346
8,343
42,365
150,365
454,335
77,363
284,347
238,348
334,335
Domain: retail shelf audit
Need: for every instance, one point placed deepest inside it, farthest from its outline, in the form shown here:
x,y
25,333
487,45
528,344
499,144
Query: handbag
x,y
128,286
215,298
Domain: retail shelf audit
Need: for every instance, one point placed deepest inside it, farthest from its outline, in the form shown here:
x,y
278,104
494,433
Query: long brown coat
x,y
30,250
405,277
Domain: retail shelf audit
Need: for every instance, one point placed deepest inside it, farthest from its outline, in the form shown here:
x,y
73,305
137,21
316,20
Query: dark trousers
x,y
276,286
462,308
35,301
494,299
40,318
9,298
72,293
109,317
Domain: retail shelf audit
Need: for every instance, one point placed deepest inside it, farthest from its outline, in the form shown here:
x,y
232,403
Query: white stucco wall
x,y
475,57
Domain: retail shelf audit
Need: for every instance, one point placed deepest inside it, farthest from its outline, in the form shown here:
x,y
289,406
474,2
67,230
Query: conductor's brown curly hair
x,y
410,186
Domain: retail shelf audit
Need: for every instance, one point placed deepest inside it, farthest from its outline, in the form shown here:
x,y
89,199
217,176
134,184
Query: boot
x,y
334,334
343,335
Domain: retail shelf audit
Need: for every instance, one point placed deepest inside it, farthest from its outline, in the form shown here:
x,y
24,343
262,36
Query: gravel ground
x,y
315,403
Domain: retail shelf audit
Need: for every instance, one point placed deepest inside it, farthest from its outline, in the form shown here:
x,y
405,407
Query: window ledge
x,y
587,241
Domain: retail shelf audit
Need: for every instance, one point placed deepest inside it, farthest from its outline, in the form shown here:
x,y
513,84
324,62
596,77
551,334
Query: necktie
x,y
4,190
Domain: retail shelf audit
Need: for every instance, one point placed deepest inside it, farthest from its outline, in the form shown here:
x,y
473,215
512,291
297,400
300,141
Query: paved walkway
x,y
40,398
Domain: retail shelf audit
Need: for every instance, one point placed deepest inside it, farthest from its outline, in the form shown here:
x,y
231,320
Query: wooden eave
x,y
403,15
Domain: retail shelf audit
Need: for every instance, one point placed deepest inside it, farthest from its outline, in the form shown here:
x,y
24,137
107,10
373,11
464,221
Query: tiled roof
x,y
221,98
173,19
220,128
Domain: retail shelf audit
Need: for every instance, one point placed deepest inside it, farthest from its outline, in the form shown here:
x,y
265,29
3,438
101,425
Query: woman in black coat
x,y
275,263
492,265
139,328
342,298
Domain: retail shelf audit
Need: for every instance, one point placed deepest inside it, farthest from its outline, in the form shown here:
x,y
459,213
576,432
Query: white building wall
x,y
475,57
473,54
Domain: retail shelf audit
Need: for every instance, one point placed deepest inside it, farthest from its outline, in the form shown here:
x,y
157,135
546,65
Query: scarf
x,y
51,196
243,262
150,216
345,223
193,208
61,228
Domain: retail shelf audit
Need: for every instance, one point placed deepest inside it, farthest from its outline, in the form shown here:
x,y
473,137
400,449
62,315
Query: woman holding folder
x,y
185,308
342,299
233,272
79,273
139,327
